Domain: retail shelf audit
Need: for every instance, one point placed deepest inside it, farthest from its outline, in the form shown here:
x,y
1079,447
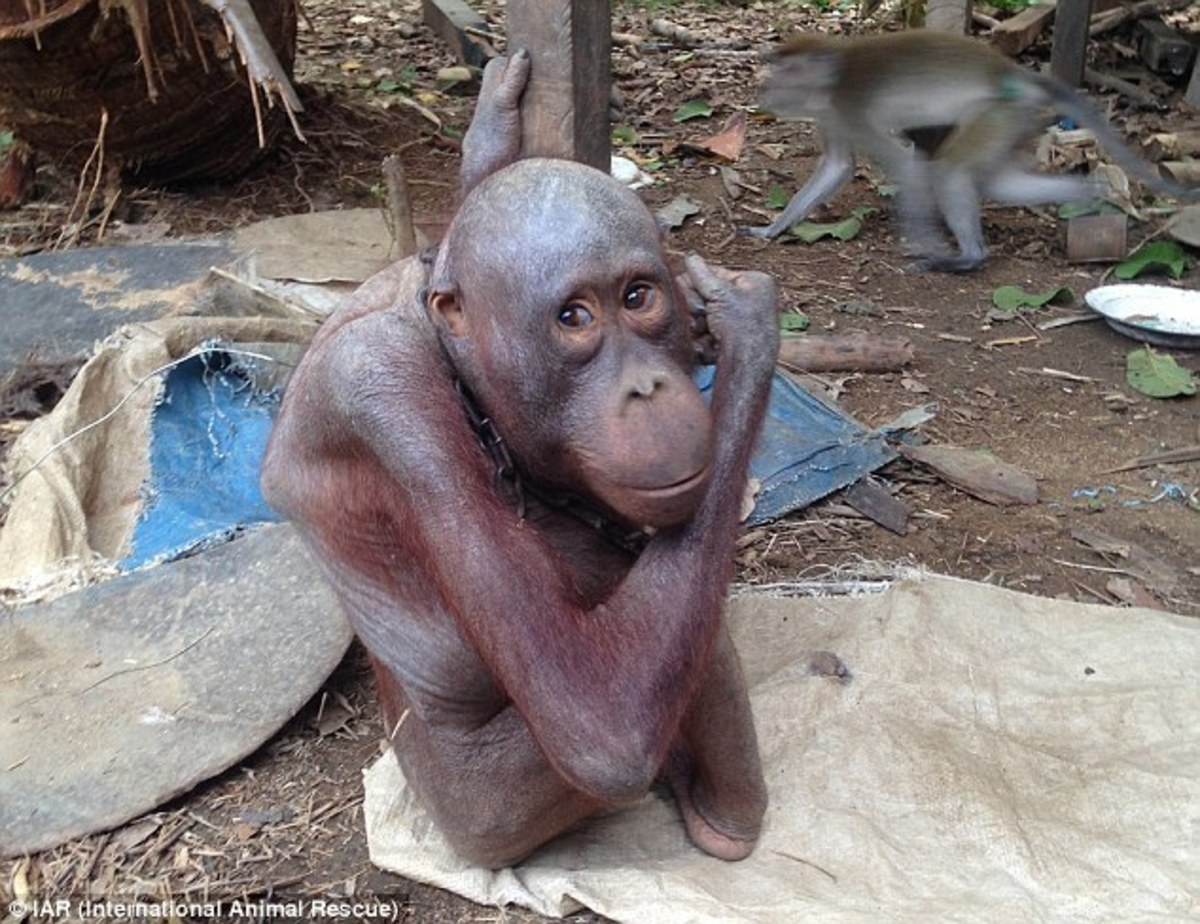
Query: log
x,y
1015,34
1131,91
845,353
1111,19
1183,172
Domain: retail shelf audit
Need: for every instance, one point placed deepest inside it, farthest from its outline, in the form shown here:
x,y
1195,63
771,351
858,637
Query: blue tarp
x,y
807,449
207,439
210,430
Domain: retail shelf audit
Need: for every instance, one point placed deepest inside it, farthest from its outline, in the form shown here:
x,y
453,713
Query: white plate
x,y
1156,314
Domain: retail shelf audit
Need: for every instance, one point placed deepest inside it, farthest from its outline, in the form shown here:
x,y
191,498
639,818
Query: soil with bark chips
x,y
287,823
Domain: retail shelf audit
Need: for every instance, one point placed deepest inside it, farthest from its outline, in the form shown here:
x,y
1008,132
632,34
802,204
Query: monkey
x,y
976,160
866,93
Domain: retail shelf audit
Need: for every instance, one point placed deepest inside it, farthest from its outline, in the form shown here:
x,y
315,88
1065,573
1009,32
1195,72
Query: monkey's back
x,y
886,79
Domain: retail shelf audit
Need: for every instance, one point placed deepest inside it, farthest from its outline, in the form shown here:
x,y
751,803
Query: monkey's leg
x,y
1025,187
958,201
834,170
913,175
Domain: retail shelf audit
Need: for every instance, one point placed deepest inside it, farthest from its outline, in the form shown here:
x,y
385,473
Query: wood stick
x,y
845,353
1170,457
399,206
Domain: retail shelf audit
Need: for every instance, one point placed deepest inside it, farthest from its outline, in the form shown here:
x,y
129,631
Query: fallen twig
x,y
1170,457
1056,374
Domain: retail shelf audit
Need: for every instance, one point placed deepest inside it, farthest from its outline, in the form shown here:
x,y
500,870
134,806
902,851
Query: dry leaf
x,y
728,143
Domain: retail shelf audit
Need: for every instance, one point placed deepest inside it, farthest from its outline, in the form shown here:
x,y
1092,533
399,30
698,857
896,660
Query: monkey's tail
x,y
1067,102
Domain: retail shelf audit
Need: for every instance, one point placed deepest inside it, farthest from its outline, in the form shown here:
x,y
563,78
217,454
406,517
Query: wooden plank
x,y
1068,52
1166,50
1017,33
461,28
564,111
948,16
880,505
1097,238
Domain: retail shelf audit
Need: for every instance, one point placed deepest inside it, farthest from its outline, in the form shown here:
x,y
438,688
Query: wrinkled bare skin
x,y
867,93
530,671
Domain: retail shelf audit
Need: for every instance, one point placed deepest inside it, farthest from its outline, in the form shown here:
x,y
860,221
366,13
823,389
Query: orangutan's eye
x,y
574,315
640,296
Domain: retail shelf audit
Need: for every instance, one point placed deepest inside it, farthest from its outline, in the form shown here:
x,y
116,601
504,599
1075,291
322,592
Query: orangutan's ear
x,y
446,311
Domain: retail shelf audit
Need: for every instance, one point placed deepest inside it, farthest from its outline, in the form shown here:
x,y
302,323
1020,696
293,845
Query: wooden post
x,y
564,112
948,15
1068,52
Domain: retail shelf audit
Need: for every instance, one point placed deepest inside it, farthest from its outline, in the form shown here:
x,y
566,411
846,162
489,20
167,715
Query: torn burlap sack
x,y
993,756
79,471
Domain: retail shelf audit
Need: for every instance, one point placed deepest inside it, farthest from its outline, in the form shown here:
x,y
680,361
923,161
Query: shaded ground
x,y
288,821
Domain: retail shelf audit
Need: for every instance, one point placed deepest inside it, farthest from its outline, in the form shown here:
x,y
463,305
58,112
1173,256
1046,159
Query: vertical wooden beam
x,y
564,112
1068,52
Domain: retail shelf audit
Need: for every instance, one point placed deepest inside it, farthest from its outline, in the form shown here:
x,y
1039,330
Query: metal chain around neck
x,y
514,490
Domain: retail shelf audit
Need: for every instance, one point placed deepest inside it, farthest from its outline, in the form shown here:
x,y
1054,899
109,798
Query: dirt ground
x,y
287,822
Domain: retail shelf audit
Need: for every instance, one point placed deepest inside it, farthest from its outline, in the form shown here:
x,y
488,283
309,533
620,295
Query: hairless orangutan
x,y
528,511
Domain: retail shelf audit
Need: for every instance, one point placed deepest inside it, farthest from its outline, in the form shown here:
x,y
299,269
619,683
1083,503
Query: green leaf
x,y
845,230
1014,298
7,140
624,134
1157,255
777,197
1090,207
793,322
693,109
1158,375
400,83
887,190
